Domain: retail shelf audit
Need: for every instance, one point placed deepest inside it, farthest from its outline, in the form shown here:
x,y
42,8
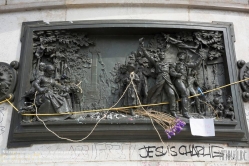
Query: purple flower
x,y
171,133
178,129
168,134
180,123
173,129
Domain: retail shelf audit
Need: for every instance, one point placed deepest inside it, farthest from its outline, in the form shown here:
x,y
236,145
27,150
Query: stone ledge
x,y
23,5
31,6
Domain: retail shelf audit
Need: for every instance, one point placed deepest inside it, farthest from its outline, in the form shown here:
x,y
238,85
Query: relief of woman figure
x,y
48,99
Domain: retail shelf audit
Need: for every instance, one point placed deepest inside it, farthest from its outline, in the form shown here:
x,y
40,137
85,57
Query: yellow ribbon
x,y
122,108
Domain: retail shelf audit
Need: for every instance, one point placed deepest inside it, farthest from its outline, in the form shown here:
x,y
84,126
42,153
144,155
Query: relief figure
x,y
192,86
130,96
163,83
179,71
52,97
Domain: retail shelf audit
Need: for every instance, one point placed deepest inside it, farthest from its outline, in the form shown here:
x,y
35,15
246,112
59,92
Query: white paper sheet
x,y
202,127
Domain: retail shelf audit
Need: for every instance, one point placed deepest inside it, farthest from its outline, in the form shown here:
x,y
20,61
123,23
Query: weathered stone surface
x,y
151,13
11,2
155,1
141,154
2,2
16,5
224,1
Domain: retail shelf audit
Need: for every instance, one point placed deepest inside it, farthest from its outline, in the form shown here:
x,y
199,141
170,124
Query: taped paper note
x,y
202,127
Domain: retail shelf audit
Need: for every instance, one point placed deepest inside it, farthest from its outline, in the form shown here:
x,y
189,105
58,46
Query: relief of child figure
x,y
192,87
30,93
229,110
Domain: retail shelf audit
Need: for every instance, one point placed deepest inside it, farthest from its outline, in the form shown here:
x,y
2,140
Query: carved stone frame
x,y
20,135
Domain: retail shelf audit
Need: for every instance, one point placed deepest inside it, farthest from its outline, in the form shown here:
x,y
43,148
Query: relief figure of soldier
x,y
163,83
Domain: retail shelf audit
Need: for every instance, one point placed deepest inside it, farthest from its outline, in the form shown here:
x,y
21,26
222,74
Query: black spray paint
x,y
211,151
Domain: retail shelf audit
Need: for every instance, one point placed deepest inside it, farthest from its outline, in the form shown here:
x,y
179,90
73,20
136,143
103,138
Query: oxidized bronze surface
x,y
87,67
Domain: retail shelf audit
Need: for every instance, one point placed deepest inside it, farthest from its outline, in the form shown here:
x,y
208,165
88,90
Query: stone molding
x,y
24,5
